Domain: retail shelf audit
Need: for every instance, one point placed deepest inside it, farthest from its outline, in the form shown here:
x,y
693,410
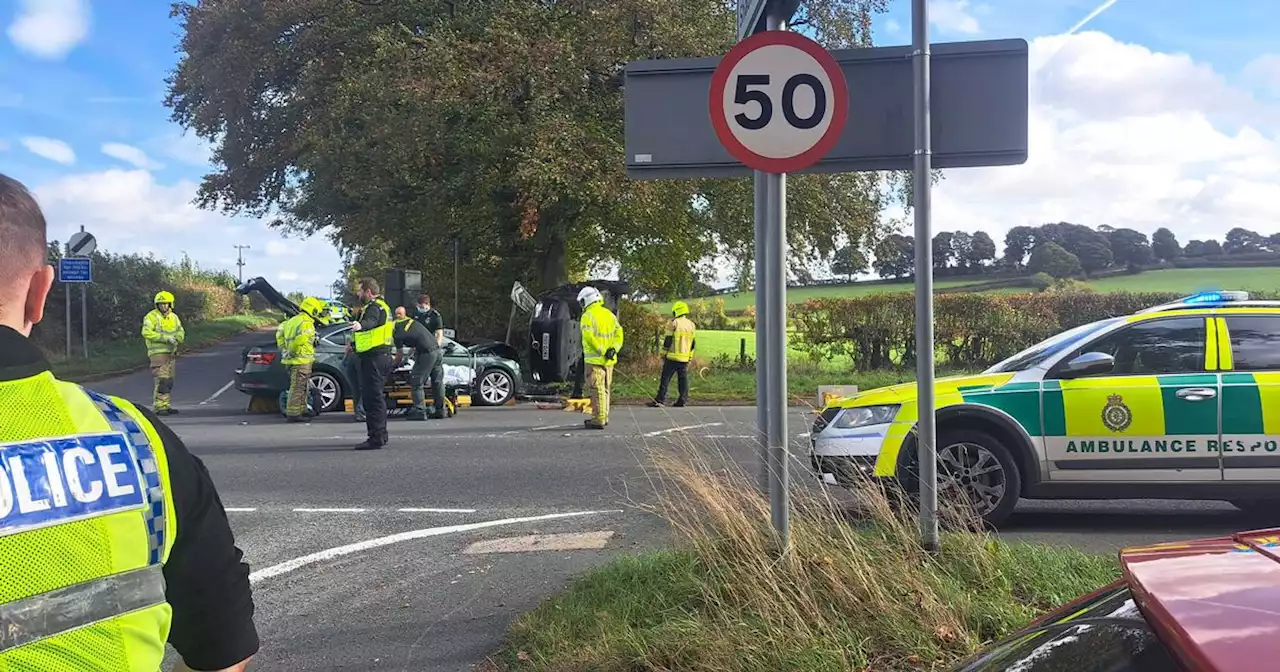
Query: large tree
x,y
1164,245
1018,242
982,250
1130,248
895,256
943,254
849,261
398,125
1240,241
1055,260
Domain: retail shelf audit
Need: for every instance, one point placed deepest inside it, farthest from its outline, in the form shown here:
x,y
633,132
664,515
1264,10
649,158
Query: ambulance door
x,y
1152,417
1250,396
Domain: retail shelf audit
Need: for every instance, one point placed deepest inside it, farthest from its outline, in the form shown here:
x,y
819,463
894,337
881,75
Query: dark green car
x,y
488,371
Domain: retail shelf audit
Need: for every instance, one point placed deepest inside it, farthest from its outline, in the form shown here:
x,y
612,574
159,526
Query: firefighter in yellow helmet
x,y
601,341
296,338
113,539
677,350
163,332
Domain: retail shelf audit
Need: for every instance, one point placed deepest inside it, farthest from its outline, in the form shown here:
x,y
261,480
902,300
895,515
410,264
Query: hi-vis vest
x,y
384,334
86,523
156,330
296,338
678,341
600,332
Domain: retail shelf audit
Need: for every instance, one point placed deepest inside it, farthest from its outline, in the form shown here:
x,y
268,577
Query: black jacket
x,y
207,582
412,334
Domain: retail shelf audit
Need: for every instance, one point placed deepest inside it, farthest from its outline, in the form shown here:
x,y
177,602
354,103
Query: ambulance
x,y
1178,401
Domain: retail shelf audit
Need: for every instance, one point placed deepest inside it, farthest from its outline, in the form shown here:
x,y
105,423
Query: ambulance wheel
x,y
976,471
1257,507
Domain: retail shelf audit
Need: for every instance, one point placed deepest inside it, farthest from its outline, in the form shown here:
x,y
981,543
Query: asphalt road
x,y
359,558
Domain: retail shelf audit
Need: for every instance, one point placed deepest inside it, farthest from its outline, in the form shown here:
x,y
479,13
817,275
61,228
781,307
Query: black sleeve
x,y
207,582
373,316
434,322
401,337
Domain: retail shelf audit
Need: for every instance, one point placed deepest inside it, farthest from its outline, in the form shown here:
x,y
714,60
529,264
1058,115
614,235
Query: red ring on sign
x,y
839,105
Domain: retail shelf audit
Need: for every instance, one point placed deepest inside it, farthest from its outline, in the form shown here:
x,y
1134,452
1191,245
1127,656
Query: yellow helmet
x,y
679,308
311,306
164,297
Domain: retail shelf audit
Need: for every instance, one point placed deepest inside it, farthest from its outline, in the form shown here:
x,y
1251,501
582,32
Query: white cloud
x,y
1125,136
131,211
131,155
280,248
50,29
953,16
48,148
892,27
1263,72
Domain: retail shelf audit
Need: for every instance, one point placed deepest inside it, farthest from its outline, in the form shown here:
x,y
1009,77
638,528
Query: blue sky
x,y
1156,113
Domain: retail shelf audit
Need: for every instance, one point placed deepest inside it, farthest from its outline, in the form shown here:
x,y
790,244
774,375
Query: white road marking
x,y
550,427
570,541
330,510
414,510
217,394
669,430
339,551
231,509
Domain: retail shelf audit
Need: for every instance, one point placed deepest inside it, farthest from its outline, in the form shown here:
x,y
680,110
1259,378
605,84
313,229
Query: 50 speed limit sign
x,y
778,102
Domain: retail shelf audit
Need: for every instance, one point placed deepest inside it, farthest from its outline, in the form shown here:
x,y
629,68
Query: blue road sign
x,y
75,269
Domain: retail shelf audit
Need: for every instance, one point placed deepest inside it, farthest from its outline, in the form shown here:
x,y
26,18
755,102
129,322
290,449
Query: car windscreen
x,y
1105,633
1051,346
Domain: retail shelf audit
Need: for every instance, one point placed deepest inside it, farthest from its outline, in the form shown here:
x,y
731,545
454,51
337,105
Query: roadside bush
x,y
641,329
1041,281
121,294
709,314
972,330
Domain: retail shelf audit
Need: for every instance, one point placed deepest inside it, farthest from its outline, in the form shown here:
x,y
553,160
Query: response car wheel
x,y
330,391
495,388
976,470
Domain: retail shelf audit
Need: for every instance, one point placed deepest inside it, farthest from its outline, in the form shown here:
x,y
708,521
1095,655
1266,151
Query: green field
x,y
1179,280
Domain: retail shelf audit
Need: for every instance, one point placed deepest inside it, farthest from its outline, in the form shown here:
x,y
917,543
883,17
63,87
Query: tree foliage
x,y
1055,260
1164,245
1130,248
895,256
394,126
849,261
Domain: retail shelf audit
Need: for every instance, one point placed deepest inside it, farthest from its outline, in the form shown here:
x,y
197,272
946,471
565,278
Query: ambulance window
x,y
1255,342
1154,347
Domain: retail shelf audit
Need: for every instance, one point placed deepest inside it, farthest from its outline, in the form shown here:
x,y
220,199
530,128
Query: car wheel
x,y
495,388
976,471
330,391
1257,506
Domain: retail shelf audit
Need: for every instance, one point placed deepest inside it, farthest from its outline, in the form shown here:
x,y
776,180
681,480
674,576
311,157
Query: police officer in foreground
x,y
124,539
427,360
677,350
373,340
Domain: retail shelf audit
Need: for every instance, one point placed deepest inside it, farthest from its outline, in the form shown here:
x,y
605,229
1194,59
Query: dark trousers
x,y
373,382
351,363
428,363
681,371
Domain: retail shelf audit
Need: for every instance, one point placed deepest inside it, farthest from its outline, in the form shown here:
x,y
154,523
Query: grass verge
x,y
718,385
859,596
108,359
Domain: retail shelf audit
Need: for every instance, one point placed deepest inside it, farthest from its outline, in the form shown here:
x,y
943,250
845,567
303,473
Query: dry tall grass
x,y
846,595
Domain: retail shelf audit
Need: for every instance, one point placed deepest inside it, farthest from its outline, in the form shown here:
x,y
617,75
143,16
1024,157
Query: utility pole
x,y
240,260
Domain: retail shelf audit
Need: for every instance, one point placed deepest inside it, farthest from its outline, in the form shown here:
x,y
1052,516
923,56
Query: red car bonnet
x,y
1214,602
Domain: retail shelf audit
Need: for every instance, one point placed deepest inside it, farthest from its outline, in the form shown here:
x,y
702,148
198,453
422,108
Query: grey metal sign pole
x,y
762,373
926,438
774,284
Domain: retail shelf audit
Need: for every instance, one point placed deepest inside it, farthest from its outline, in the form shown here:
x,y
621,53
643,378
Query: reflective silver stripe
x,y
57,611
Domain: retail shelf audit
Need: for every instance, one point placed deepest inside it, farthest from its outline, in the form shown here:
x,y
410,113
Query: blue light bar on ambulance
x,y
1217,297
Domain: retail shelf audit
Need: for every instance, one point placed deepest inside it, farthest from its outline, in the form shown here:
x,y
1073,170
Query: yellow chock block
x,y
348,405
259,404
464,400
580,405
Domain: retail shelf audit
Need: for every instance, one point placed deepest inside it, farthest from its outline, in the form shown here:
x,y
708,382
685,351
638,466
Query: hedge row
x,y
971,330
121,294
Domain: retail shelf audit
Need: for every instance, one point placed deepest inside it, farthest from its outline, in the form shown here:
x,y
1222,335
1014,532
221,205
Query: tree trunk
x,y
553,264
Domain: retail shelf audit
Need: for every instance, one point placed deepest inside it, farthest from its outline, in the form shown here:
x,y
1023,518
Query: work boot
x,y
656,404
369,444
360,419
592,424
166,411
437,414
298,418
679,403
415,415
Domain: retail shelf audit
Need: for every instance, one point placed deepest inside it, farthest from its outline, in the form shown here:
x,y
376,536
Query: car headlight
x,y
861,416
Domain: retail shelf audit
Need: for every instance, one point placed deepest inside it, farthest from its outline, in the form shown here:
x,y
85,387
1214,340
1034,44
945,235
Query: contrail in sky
x,y
1092,15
